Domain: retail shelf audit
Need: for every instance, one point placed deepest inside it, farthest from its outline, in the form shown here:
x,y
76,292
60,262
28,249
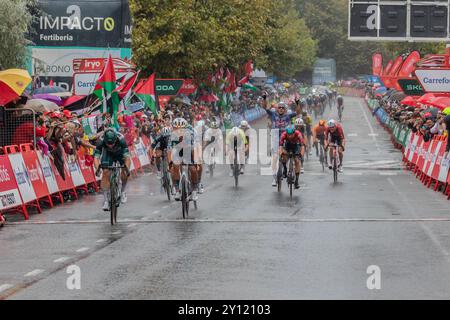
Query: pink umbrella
x,y
57,100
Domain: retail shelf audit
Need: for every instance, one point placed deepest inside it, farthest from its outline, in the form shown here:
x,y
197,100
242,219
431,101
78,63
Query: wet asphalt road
x,y
250,242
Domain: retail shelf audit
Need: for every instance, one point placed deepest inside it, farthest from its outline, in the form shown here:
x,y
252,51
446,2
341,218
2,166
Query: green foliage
x,y
15,21
191,38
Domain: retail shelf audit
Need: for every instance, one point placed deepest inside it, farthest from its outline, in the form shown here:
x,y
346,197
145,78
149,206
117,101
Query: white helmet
x,y
244,124
165,131
331,123
235,131
179,123
299,122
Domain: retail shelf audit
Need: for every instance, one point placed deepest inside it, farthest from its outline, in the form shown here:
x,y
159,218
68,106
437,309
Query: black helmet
x,y
110,136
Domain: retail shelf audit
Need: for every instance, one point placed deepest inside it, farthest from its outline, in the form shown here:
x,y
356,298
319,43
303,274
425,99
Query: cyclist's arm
x,y
98,153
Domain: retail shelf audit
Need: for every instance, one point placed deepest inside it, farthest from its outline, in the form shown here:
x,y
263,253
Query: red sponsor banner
x,y
134,158
97,64
421,154
188,87
429,153
35,174
87,171
409,65
439,153
388,67
396,66
377,64
417,147
9,192
66,184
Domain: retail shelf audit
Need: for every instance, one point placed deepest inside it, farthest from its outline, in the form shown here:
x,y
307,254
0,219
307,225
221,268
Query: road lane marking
x,y
5,287
388,173
155,212
101,240
131,225
83,249
116,232
33,273
373,134
60,260
370,126
352,135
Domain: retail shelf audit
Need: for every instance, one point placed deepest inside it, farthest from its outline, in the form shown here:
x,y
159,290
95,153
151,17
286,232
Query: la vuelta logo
x,y
75,21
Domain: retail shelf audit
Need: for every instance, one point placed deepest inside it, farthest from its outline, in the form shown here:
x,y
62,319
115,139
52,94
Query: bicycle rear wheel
x,y
236,174
184,198
113,202
335,170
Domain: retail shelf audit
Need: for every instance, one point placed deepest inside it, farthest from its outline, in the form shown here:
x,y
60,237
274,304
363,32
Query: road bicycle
x,y
166,180
322,155
115,189
335,161
291,173
186,189
236,166
340,110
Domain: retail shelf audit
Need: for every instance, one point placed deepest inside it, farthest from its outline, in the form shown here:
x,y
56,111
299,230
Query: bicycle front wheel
x,y
113,202
184,198
335,170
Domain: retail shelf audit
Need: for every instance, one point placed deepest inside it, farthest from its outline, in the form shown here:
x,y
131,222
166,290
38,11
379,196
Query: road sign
x,y
399,20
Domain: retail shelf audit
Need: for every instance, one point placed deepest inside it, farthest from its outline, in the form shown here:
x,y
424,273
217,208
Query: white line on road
x,y
101,240
33,273
352,135
370,126
5,287
388,173
156,212
131,225
373,134
83,249
116,232
60,260
165,207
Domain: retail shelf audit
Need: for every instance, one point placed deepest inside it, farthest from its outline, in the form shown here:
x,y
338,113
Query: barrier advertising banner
x,y
35,173
9,192
47,171
22,178
75,172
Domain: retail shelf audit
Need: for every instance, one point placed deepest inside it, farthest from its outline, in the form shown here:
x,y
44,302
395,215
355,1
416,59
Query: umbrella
x,y
12,84
433,111
62,94
409,101
41,105
48,97
71,100
427,98
440,102
446,111
381,90
398,96
49,89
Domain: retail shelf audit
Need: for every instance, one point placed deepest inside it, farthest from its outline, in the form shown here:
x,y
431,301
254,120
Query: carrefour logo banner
x,y
434,80
93,23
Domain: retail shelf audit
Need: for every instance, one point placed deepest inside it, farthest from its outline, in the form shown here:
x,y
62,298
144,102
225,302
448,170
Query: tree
x,y
15,21
291,49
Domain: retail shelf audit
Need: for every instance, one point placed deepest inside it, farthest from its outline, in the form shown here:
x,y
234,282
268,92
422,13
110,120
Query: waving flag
x,y
107,83
147,93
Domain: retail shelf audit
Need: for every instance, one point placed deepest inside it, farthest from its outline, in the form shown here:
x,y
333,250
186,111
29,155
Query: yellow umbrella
x,y
446,111
16,79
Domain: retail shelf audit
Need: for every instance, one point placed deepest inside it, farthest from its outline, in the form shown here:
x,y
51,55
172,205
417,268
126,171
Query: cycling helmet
x,y
179,123
299,122
110,136
331,123
282,105
198,117
213,125
235,131
165,131
244,124
321,122
290,129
